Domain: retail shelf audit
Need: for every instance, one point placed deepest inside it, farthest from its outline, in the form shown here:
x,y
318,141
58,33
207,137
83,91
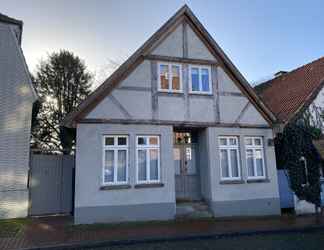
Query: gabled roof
x,y
7,19
182,14
290,93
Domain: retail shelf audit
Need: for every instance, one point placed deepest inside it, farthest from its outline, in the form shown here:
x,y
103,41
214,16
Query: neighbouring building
x,y
16,100
177,121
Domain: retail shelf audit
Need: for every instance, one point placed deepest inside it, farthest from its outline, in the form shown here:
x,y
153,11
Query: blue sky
x,y
261,37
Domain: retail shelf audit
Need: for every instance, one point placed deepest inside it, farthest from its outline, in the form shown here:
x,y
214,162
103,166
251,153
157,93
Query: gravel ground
x,y
287,241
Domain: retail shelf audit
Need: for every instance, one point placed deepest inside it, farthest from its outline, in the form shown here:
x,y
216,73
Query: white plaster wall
x,y
196,48
245,191
225,83
172,45
252,116
88,177
230,107
139,77
171,108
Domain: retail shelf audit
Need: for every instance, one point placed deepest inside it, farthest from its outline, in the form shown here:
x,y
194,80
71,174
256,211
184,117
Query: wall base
x,y
13,204
124,213
254,207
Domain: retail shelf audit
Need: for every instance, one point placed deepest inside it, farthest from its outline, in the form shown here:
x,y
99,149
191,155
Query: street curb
x,y
105,243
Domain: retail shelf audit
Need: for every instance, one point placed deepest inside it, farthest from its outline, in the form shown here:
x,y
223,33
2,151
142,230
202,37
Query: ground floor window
x,y
254,157
115,159
148,159
229,158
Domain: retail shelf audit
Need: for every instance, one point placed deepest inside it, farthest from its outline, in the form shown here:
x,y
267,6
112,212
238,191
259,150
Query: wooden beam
x,y
172,123
180,60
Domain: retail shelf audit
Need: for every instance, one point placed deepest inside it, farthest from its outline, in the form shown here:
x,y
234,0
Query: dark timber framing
x,y
120,106
172,123
242,112
180,60
183,14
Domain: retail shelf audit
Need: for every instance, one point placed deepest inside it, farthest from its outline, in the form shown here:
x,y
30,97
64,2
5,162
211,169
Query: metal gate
x,y
51,184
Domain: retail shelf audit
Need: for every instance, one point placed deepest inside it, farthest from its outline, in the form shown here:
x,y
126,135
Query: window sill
x,y
257,180
115,187
231,182
149,185
201,93
166,93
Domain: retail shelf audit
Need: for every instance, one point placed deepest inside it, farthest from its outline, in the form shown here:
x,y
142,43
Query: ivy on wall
x,y
292,146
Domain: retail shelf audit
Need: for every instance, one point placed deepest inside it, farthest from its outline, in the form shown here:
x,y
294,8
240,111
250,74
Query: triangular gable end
x,y
163,35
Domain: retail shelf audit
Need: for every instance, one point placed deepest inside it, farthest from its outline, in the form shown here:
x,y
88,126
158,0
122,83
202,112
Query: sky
x,y
260,37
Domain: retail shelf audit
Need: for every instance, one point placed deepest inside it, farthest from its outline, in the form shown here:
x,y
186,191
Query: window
x,y
200,79
254,157
115,159
170,79
148,159
229,158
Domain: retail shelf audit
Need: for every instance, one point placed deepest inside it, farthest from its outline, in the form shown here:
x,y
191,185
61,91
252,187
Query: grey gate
x,y
187,178
51,184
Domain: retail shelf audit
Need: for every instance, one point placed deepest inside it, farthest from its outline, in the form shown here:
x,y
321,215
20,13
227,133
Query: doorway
x,y
187,177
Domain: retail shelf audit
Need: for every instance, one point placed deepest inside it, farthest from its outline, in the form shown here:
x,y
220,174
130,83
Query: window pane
x,y
234,164
194,79
257,141
153,141
224,163
175,77
248,141
259,163
121,165
249,161
222,141
109,141
232,141
122,141
141,165
164,76
109,166
154,164
142,141
205,80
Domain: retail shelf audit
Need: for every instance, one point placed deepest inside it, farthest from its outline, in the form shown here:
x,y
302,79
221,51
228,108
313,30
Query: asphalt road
x,y
287,241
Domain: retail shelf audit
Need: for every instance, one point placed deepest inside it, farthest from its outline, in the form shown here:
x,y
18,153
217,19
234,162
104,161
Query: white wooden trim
x,y
147,152
115,148
254,148
170,90
210,92
228,148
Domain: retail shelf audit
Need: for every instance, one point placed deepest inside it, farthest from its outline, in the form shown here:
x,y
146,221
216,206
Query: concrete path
x,y
58,232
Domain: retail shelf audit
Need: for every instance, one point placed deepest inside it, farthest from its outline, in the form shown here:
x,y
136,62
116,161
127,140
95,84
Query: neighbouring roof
x,y
319,145
183,13
290,93
7,19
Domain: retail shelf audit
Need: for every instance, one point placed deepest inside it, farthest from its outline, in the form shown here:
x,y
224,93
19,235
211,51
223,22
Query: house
x,y
291,96
16,99
177,121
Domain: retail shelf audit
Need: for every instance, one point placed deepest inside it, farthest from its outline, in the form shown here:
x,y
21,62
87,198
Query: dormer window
x,y
170,79
200,80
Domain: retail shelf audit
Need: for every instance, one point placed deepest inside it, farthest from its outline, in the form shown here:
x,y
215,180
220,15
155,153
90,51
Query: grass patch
x,y
9,228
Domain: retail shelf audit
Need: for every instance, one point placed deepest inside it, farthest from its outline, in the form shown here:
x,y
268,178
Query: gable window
x,y
148,159
254,157
200,79
115,159
170,79
229,157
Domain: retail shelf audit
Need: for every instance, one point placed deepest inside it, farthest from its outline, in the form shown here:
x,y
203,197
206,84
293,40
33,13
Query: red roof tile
x,y
286,94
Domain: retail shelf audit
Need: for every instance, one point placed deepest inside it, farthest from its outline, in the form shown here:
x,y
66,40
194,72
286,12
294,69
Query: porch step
x,y
193,210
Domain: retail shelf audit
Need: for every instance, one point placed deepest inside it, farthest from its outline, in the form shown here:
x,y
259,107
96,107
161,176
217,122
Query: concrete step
x,y
193,210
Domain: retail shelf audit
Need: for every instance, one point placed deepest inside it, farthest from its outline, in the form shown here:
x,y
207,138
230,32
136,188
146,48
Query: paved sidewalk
x,y
58,231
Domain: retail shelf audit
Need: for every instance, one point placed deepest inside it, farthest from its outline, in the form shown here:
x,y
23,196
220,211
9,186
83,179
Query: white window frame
x,y
200,67
254,147
114,148
147,149
170,90
228,148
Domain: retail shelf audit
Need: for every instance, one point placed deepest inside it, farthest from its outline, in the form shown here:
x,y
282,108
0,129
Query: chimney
x,y
280,73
